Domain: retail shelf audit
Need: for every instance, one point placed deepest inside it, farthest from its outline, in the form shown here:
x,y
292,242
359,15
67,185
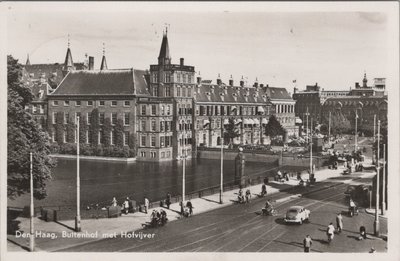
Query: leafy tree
x,y
119,133
274,128
83,127
94,127
59,128
71,132
231,132
24,136
107,132
339,123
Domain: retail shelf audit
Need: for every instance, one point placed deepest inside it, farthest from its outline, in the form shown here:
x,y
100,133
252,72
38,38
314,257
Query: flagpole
x,y
78,182
32,210
355,134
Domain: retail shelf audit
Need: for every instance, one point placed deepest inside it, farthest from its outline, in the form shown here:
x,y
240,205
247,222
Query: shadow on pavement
x,y
210,200
12,223
15,243
64,225
322,241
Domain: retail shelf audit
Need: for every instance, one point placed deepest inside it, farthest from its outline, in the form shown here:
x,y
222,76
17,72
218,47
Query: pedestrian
x,y
126,206
168,200
263,190
146,204
190,207
248,196
363,233
182,208
330,231
372,250
339,222
307,242
114,202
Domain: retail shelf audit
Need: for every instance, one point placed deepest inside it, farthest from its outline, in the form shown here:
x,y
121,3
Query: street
x,y
241,228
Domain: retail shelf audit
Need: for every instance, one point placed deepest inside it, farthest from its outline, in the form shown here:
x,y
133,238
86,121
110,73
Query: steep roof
x,y
164,51
68,59
103,82
278,93
53,73
227,94
103,65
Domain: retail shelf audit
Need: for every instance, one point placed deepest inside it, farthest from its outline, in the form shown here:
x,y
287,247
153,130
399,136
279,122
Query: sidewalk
x,y
112,227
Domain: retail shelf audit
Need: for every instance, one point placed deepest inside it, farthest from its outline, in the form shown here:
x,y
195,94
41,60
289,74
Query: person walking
x,y
307,242
248,196
168,200
330,231
190,207
263,190
339,223
146,204
126,206
114,202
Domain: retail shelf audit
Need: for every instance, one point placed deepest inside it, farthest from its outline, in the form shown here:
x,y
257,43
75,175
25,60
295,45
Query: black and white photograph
x,y
209,129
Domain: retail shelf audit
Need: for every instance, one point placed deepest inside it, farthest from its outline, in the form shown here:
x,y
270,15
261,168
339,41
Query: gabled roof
x,y
227,94
103,82
278,93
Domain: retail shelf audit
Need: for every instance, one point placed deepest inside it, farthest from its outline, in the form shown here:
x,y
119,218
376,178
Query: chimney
x,y
294,90
231,81
199,79
242,82
219,79
182,61
357,85
256,83
91,63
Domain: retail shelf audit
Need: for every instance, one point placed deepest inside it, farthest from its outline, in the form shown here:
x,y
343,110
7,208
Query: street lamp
x,y
221,189
355,133
384,181
311,160
184,167
376,222
78,184
32,212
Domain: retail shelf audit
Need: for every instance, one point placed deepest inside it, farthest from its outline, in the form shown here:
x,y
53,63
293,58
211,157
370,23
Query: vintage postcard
x,y
200,130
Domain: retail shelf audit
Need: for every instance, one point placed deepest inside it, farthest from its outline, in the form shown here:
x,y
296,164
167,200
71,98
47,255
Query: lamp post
x,y
376,222
374,127
384,181
32,211
184,168
329,127
311,160
355,133
307,124
221,189
78,184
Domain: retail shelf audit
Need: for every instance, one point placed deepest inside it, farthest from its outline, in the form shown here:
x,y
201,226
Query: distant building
x,y
378,89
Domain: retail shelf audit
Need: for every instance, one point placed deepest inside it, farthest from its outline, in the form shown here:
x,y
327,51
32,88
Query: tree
x,y
83,127
119,133
107,128
274,128
60,127
231,131
24,136
339,123
94,127
71,132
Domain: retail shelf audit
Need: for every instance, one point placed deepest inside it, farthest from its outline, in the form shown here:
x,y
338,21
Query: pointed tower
x,y
365,80
27,61
164,57
68,63
103,65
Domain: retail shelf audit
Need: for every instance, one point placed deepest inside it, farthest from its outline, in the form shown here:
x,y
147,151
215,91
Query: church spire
x,y
164,57
27,60
365,80
69,63
103,65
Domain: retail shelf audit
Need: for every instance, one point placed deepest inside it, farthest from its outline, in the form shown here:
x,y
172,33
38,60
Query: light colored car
x,y
297,214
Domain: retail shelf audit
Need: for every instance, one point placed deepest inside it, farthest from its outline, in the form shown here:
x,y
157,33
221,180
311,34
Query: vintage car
x,y
297,214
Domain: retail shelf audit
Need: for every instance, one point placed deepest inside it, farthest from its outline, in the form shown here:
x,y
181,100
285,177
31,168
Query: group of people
x,y
158,217
280,177
126,207
187,210
247,196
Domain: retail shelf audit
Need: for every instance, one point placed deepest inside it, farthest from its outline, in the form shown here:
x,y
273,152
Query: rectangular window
x,y
88,117
113,103
78,103
153,109
167,77
101,137
178,91
89,103
167,91
102,103
178,76
168,110
153,141
167,141
162,154
55,103
143,126
162,142
153,154
143,109
184,78
168,154
126,118
33,108
53,136
77,116
41,109
113,118
189,92
66,103
87,137
167,126
101,118
189,78
183,92
54,118
153,125
126,138
113,138
161,126
127,103
162,109
143,141
66,117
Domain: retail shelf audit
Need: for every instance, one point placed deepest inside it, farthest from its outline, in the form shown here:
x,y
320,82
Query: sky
x,y
331,48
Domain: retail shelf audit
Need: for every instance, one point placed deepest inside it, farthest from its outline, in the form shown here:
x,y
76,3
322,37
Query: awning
x,y
226,121
298,120
260,109
237,121
256,121
205,122
264,121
